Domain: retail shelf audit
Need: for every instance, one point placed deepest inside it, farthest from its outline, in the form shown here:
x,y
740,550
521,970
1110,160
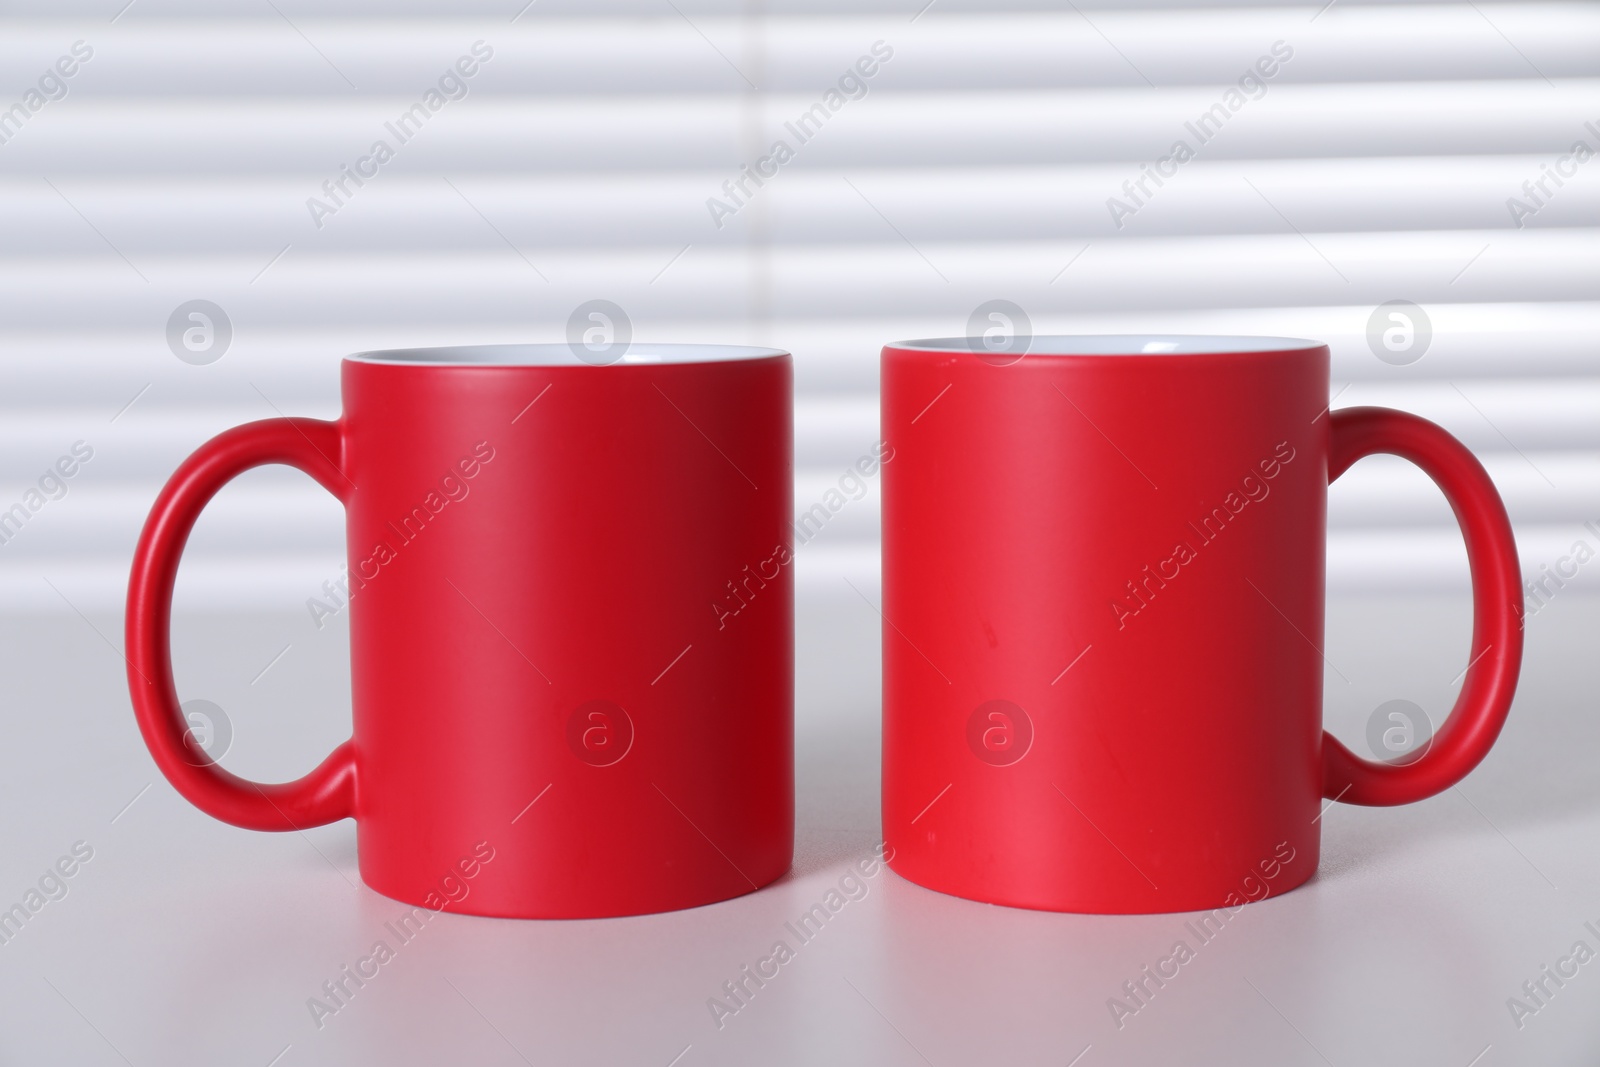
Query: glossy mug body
x,y
553,705
1103,601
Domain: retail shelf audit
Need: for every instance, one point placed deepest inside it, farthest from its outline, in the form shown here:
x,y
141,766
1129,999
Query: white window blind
x,y
1339,157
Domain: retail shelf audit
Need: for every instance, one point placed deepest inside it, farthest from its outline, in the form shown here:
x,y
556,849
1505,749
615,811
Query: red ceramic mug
x,y
551,695
1103,605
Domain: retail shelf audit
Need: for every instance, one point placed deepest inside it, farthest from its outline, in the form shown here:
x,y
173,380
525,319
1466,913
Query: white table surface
x,y
186,941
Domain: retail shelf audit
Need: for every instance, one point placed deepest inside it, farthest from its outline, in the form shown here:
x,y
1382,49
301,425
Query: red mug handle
x,y
1496,653
326,794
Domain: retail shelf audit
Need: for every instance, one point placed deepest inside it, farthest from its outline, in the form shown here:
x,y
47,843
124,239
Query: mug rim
x,y
564,354
1115,345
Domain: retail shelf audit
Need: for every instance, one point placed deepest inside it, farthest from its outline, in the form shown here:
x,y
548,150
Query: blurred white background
x,y
1375,164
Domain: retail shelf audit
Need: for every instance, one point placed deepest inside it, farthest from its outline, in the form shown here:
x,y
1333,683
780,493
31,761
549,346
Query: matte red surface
x,y
570,570
1169,754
